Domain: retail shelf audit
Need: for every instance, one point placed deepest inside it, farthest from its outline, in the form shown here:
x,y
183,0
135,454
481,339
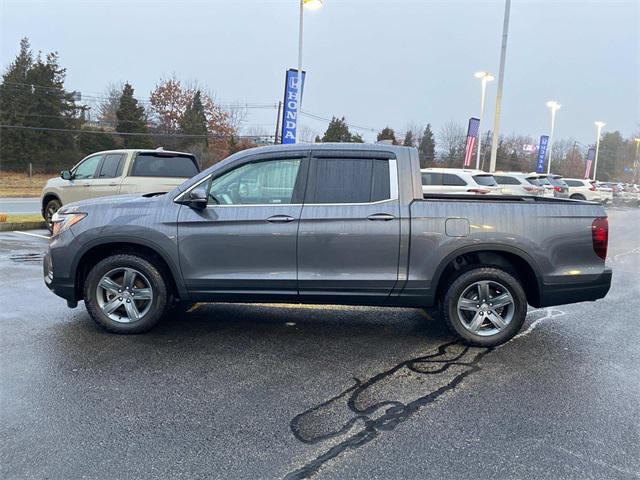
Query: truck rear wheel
x,y
484,306
126,293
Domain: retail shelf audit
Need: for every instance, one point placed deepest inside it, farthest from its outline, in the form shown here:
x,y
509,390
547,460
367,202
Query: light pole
x,y
599,126
311,5
484,78
636,161
554,106
503,60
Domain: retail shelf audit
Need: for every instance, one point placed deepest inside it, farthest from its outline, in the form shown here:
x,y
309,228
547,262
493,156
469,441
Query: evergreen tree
x,y
194,122
317,139
427,148
409,141
387,134
32,95
132,119
337,131
357,138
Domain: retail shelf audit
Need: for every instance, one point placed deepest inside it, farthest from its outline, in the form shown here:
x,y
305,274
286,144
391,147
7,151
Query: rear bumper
x,y
564,293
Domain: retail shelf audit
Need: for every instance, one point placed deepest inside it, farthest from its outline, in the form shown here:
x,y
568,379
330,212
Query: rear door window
x,y
505,180
112,165
574,183
452,180
485,180
163,165
348,180
431,178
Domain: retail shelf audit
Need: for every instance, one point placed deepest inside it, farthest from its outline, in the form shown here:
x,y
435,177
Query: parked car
x,y
560,188
458,180
606,192
517,183
115,172
581,189
327,223
631,194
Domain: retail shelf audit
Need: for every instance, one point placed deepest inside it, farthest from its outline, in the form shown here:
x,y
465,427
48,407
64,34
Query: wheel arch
x,y
46,198
104,248
509,258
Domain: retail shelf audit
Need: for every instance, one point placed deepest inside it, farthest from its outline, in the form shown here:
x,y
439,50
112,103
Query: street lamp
x,y
311,5
484,78
554,106
599,126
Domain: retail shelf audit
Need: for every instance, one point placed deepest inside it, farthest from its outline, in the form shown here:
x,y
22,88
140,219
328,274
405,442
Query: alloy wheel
x,y
124,295
485,308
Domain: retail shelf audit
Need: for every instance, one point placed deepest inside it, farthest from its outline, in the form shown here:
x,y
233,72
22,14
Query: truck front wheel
x,y
126,293
484,306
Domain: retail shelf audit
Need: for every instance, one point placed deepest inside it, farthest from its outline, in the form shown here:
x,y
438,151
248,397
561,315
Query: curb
x,y
8,226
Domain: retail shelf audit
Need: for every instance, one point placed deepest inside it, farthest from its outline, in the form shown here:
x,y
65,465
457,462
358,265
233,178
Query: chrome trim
x,y
393,192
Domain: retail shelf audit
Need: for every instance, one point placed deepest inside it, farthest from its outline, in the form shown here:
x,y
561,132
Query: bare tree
x,y
452,141
109,104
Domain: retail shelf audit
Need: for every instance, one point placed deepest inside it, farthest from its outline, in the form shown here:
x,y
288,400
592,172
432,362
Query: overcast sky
x,y
376,62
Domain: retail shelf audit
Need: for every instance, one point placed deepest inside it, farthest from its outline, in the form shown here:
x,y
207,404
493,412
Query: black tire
x,y
50,208
157,306
577,196
451,316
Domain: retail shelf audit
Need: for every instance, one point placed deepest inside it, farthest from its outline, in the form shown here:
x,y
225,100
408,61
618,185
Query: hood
x,y
113,201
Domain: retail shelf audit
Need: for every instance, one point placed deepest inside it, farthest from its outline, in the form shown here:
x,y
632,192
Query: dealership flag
x,y
289,113
591,154
472,134
542,152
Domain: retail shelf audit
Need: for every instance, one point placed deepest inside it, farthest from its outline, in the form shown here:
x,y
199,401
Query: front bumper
x,y
63,287
574,292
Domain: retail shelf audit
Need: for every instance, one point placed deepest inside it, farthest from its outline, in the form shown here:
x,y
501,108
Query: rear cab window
x,y
152,164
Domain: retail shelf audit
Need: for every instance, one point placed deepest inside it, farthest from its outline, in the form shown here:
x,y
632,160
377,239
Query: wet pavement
x,y
287,391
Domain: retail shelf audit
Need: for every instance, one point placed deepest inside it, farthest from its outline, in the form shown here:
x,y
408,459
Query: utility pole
x,y
503,58
277,136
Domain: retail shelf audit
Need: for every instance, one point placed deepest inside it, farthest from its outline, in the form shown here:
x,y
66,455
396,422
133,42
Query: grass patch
x,y
14,184
29,217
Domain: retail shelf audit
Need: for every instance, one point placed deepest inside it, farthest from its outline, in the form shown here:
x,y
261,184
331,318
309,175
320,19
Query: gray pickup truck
x,y
333,224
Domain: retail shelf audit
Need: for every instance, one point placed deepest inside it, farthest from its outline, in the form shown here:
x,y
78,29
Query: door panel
x,y
79,188
109,178
349,252
234,249
243,245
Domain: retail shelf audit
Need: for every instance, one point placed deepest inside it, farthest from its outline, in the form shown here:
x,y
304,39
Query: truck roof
x,y
144,150
330,146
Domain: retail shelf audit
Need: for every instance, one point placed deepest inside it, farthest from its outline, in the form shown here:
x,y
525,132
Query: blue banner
x,y
289,113
542,153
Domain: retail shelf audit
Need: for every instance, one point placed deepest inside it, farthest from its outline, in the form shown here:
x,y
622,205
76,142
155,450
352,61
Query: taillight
x,y
557,189
600,236
531,189
478,191
593,188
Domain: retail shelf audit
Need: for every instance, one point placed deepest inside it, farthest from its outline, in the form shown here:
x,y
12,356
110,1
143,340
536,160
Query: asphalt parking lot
x,y
256,391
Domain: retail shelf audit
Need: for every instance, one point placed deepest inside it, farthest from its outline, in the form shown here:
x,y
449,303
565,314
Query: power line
x,y
183,135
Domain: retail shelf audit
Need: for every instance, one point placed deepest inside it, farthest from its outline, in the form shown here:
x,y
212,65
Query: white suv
x,y
459,181
581,189
517,183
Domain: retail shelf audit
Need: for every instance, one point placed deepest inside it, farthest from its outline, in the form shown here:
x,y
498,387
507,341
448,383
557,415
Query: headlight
x,y
64,221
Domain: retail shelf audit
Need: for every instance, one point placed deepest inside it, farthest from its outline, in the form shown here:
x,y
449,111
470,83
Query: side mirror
x,y
197,199
66,175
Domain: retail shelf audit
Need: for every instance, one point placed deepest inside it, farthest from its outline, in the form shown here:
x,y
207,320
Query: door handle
x,y
280,219
382,217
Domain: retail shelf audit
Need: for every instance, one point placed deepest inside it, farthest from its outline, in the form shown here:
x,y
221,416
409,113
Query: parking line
x,y
32,234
